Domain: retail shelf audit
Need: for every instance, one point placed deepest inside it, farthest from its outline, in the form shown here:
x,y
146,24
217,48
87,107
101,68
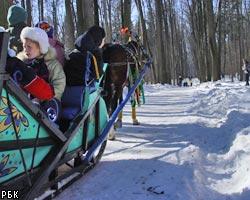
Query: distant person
x,y
246,70
190,80
16,17
185,82
56,44
180,79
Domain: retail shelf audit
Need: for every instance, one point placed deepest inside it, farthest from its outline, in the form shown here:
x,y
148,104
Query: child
x,y
16,17
41,57
26,77
58,46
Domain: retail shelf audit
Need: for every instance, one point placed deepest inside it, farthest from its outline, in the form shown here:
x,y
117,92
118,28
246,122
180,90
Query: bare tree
x,y
5,4
145,35
96,13
164,76
40,10
109,16
80,20
69,28
23,4
88,13
29,11
55,19
212,40
107,23
126,16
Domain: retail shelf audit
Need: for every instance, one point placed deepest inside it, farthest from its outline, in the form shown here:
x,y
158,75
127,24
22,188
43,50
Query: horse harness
x,y
130,54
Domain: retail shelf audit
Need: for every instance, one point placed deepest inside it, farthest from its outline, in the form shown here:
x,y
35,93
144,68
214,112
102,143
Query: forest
x,y
206,39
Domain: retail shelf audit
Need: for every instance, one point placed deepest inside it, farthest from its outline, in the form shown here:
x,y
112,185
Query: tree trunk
x,y
127,14
29,11
126,17
42,10
69,28
239,32
212,41
96,8
88,13
74,13
144,36
80,20
219,24
55,19
5,4
122,14
23,4
198,38
106,21
165,78
110,18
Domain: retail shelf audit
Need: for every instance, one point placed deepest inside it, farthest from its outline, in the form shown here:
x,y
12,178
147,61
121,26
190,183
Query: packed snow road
x,y
193,144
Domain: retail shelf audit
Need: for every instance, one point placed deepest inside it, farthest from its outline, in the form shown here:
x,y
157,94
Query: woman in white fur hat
x,y
42,58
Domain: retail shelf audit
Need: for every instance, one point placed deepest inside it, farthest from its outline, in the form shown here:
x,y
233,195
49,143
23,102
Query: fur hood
x,y
50,55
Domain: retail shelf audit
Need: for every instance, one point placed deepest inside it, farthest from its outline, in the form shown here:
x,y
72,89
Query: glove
x,y
40,89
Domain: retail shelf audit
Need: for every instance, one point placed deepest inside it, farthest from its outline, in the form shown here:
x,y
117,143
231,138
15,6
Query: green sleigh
x,y
31,147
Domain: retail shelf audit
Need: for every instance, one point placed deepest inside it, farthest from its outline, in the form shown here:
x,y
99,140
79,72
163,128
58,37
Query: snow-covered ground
x,y
193,144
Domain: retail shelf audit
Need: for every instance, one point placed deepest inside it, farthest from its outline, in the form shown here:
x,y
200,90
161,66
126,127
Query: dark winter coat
x,y
40,68
75,65
14,65
248,67
26,78
15,41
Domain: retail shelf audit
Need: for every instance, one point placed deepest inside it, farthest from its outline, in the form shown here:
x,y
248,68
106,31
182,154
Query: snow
x,y
193,144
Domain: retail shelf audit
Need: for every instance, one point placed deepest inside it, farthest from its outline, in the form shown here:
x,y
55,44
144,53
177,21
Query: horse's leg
x,y
115,97
109,98
137,94
133,106
142,92
118,123
131,81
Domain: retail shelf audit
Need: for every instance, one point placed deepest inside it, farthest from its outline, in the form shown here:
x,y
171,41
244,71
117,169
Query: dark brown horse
x,y
124,63
116,74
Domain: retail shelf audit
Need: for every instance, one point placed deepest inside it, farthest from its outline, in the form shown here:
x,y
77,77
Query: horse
x,y
124,64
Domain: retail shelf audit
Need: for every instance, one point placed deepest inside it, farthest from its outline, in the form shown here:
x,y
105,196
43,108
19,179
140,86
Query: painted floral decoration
x,y
6,121
5,171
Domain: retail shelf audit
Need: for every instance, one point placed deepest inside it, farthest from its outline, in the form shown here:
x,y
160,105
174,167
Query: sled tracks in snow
x,y
70,176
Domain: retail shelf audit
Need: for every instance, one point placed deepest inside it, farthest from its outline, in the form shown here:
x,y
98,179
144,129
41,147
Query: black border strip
x,y
24,144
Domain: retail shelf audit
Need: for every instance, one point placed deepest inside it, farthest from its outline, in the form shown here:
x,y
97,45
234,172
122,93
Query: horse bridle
x,y
129,53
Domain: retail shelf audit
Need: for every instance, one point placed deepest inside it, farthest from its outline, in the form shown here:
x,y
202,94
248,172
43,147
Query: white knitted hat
x,y
37,35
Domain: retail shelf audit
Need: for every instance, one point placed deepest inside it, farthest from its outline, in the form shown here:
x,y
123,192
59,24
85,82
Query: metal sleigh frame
x,y
35,180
